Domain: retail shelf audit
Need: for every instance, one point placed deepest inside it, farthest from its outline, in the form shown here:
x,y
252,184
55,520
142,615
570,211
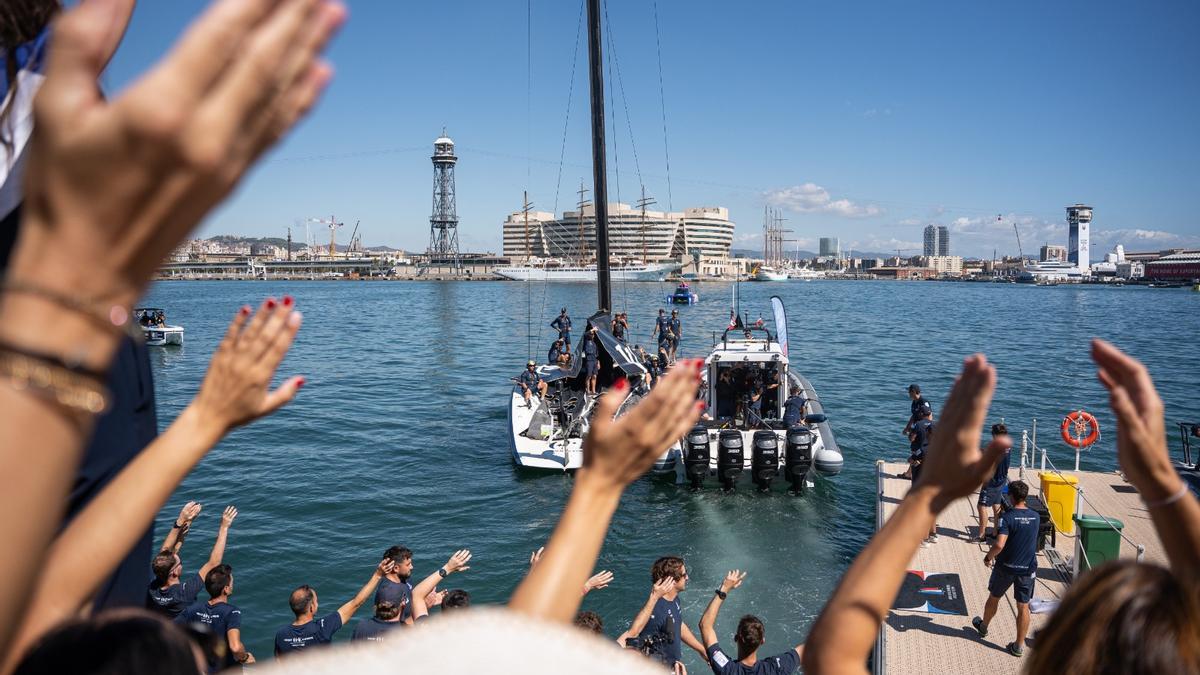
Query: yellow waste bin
x,y
1058,492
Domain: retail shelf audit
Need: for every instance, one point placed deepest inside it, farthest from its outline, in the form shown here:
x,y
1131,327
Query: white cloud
x,y
812,198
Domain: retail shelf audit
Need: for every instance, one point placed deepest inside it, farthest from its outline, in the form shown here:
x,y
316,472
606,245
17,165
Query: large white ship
x,y
542,272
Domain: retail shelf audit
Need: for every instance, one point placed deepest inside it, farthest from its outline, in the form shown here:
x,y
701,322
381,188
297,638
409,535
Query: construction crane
x,y
332,223
1018,233
355,244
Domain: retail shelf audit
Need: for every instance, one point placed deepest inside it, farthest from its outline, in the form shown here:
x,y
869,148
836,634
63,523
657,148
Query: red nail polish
x,y
270,303
288,300
299,382
700,406
244,311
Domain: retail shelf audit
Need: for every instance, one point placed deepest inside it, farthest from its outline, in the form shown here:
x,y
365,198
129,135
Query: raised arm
x,y
708,621
179,529
130,176
842,637
1142,451
616,452
347,610
218,549
234,392
456,563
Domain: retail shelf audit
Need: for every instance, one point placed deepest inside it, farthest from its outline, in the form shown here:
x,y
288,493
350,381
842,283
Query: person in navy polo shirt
x,y
309,630
990,493
793,407
377,628
920,434
591,356
563,325
220,618
749,637
169,593
662,616
1013,560
395,586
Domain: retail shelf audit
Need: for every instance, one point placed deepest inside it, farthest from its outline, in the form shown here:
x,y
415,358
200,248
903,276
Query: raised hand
x,y
732,580
662,587
1141,429
536,556
133,175
597,581
954,466
385,567
458,562
236,388
228,516
618,451
189,512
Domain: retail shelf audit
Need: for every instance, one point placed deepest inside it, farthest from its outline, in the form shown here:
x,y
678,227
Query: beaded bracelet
x,y
103,314
75,391
1183,490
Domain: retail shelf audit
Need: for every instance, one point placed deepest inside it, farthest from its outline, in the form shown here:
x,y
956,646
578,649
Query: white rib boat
x,y
155,329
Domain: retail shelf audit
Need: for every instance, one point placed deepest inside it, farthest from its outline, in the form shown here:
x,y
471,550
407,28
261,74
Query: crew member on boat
x,y
620,325
530,380
562,324
793,407
662,327
556,355
591,358
676,332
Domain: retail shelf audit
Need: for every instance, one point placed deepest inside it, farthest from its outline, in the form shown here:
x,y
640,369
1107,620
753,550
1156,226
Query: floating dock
x,y
918,643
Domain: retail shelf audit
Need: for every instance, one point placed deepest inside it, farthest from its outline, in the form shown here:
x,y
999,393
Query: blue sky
x,y
862,120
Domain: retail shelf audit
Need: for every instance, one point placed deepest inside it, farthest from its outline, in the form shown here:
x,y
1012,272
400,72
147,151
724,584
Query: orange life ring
x,y
1076,422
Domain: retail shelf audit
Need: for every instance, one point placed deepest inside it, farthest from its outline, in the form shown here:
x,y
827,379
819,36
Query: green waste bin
x,y
1100,541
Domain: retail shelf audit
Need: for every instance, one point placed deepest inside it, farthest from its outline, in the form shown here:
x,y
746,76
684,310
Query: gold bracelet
x,y
109,316
78,393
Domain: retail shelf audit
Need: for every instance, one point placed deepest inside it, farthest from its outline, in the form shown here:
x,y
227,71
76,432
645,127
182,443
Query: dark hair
x,y
999,429
20,21
398,554
456,599
116,642
749,634
1018,491
667,566
301,599
217,579
590,621
1122,617
386,611
162,565
795,391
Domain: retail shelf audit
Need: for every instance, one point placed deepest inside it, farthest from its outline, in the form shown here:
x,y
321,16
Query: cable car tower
x,y
443,224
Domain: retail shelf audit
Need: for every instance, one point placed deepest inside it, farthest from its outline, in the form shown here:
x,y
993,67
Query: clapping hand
x,y
236,388
954,467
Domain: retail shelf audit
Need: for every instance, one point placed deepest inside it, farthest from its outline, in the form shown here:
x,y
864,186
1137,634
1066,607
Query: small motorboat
x,y
155,329
683,295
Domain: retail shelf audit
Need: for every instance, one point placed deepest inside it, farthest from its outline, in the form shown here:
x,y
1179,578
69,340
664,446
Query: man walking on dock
x,y
1013,559
989,494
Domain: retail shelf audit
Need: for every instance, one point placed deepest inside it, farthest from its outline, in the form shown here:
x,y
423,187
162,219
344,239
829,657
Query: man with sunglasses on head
x,y
169,593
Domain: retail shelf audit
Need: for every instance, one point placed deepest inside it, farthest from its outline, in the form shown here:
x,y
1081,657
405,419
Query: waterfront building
x,y
1181,266
1079,220
830,247
655,237
520,242
1053,252
942,264
943,245
931,240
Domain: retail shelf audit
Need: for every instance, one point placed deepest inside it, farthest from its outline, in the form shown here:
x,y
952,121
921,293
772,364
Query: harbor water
x,y
399,436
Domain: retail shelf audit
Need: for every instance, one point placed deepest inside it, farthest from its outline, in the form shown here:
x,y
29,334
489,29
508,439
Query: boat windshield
x,y
748,393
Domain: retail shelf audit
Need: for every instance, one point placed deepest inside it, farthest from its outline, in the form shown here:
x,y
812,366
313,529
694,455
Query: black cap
x,y
915,388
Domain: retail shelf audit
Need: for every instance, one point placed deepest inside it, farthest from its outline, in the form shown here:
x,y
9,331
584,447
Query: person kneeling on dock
x,y
530,380
1013,560
749,637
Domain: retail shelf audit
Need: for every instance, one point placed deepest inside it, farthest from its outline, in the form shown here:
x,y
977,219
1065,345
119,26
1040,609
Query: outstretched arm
x,y
615,453
708,621
456,563
218,549
180,527
346,611
234,392
1142,451
842,637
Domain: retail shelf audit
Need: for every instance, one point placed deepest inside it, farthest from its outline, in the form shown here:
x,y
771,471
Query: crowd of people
x,y
84,590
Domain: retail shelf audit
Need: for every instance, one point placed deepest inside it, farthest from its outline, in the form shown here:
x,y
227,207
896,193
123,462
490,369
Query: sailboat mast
x,y
599,163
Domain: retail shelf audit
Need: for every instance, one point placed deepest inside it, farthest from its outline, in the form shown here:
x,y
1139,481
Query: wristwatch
x,y
721,594
178,526
442,571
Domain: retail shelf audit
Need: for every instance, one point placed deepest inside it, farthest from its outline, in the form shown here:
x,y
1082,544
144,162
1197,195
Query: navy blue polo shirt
x,y
664,324
921,431
397,593
292,638
590,349
793,408
914,408
1019,555
373,629
175,598
530,378
780,664
666,611
1000,475
552,356
220,619
676,329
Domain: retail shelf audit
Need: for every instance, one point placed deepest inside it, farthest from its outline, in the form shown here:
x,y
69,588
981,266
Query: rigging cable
x,y
662,99
528,151
612,52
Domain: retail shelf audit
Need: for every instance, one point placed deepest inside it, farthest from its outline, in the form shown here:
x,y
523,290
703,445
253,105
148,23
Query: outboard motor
x,y
799,457
696,456
730,457
764,459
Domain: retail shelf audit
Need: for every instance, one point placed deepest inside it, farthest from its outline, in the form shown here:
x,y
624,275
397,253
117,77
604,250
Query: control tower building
x,y
1079,220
